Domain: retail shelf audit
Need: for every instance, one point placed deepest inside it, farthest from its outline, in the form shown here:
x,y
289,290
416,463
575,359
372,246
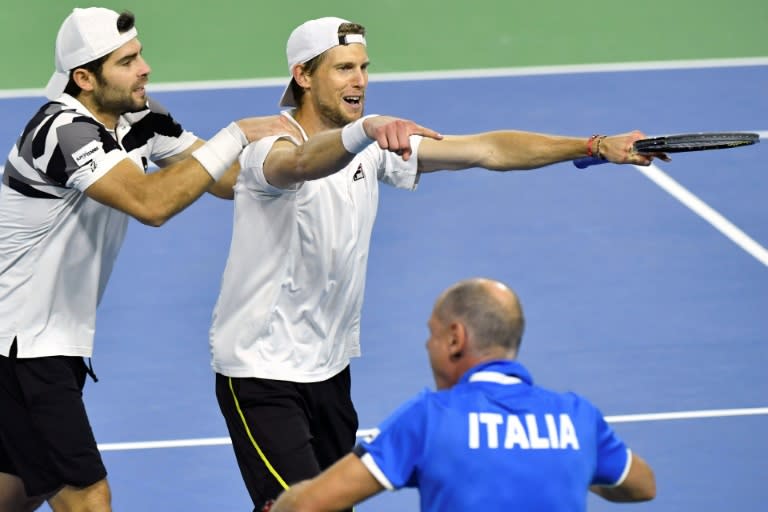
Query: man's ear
x,y
300,76
84,79
458,344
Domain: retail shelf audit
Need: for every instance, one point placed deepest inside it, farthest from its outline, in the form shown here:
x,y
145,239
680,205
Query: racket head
x,y
685,142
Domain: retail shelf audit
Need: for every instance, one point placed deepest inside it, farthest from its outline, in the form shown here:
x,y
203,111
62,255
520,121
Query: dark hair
x,y
312,64
125,22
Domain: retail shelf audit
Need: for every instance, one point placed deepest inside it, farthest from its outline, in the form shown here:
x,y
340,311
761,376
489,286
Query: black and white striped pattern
x,y
58,246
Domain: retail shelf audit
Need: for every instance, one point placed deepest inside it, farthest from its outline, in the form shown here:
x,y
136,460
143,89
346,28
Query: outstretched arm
x,y
517,150
330,151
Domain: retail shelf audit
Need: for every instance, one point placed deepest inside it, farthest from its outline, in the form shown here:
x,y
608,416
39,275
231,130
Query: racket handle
x,y
583,163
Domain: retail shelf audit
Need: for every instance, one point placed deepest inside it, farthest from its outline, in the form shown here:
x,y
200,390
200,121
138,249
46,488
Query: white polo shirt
x,y
58,246
292,291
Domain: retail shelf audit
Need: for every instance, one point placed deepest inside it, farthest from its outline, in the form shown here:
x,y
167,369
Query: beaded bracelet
x,y
597,147
591,140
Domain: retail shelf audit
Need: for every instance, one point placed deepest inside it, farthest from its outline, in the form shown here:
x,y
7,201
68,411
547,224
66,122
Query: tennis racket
x,y
682,143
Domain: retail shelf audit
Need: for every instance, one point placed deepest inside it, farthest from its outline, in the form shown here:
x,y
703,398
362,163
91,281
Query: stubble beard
x,y
111,99
333,115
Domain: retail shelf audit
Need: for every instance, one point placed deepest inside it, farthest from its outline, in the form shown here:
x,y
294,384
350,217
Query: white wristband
x,y
221,150
353,136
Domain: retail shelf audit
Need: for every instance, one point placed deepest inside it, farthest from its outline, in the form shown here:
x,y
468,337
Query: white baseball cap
x,y
85,35
309,40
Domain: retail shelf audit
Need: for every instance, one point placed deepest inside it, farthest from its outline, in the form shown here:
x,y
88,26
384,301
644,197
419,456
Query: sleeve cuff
x,y
374,469
624,473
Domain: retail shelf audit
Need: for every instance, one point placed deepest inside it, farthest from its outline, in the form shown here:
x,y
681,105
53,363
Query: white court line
x,y
447,74
686,415
627,418
176,443
706,212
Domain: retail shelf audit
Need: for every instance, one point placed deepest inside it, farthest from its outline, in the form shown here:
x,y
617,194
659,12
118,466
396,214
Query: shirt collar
x,y
288,114
499,371
74,104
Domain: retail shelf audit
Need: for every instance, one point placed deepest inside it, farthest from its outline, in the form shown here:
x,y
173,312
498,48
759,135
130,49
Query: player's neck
x,y
311,123
108,119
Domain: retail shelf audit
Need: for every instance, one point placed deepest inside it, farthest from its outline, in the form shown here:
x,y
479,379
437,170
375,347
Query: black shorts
x,y
283,432
45,437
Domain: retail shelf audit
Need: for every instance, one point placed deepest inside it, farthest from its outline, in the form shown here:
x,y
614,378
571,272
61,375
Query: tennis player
x,y
74,177
287,320
489,438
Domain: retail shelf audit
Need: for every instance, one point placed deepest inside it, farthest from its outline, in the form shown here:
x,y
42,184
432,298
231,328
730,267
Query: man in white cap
x,y
71,182
287,320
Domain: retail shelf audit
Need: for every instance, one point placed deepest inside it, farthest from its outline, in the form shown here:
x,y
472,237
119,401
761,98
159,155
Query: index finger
x,y
427,132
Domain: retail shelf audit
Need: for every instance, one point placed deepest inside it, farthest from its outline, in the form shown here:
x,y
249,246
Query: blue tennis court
x,y
635,296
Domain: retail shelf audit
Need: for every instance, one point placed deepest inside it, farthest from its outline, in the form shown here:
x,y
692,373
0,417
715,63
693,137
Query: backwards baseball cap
x,y
85,35
309,40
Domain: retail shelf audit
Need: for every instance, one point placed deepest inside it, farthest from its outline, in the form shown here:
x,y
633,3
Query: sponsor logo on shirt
x,y
88,153
359,175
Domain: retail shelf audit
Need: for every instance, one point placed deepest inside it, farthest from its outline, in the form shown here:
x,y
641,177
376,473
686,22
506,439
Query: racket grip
x,y
587,161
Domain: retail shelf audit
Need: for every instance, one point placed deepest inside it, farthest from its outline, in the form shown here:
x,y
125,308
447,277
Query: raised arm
x,y
639,485
154,198
516,150
330,151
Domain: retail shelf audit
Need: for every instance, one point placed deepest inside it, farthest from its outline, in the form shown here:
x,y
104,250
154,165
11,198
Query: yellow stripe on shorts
x,y
253,441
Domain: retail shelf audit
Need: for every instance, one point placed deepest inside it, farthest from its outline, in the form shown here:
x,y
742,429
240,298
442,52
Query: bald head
x,y
490,311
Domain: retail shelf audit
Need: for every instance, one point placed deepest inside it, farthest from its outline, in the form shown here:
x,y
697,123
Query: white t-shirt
x,y
292,291
58,246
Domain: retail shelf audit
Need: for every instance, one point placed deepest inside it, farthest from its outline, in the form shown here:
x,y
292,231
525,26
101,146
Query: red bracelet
x,y
589,144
